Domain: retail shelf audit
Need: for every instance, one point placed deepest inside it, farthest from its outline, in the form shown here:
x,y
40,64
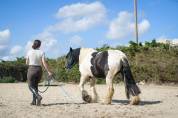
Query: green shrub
x,y
7,80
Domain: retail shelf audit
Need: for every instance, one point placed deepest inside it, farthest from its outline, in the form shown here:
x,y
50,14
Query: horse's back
x,y
116,53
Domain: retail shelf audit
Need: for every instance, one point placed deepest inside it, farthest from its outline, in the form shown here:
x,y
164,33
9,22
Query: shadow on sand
x,y
142,103
124,102
53,104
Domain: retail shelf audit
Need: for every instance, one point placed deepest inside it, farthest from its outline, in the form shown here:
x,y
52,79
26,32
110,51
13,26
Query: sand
x,y
157,102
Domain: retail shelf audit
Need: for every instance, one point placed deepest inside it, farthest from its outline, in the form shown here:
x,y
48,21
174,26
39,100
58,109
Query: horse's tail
x,y
130,84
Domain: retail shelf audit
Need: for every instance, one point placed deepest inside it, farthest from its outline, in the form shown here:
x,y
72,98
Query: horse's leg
x,y
110,91
82,82
93,89
85,95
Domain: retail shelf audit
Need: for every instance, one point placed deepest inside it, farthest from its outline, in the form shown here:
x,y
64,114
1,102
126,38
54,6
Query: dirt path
x,y
157,102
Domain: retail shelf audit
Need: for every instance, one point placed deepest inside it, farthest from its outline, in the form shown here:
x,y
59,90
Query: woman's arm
x,y
46,66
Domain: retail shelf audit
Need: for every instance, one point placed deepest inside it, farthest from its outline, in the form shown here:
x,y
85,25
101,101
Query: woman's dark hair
x,y
36,44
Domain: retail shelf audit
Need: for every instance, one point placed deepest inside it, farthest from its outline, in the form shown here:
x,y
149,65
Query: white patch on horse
x,y
117,56
84,61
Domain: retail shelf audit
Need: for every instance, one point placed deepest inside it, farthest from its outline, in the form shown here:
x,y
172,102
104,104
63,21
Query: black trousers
x,y
34,75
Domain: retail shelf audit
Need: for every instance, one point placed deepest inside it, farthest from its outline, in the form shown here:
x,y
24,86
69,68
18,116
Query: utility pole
x,y
136,24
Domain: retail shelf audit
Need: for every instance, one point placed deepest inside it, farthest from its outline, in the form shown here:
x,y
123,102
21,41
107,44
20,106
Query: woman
x,y
35,59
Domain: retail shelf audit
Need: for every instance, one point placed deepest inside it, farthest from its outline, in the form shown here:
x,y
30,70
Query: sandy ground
x,y
157,102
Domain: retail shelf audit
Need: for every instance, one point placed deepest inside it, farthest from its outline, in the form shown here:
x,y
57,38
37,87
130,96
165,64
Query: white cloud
x,y
3,50
71,18
162,39
3,47
143,26
79,17
49,43
16,50
172,41
28,46
80,10
9,58
76,41
4,40
4,36
123,26
6,52
175,41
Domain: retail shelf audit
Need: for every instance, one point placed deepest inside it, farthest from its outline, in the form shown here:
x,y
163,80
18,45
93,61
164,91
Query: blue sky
x,y
82,23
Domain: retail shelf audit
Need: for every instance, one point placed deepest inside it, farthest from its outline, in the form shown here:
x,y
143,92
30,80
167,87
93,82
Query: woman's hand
x,y
50,73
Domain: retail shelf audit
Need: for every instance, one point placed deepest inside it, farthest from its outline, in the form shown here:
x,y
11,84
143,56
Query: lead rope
x,y
49,79
68,96
65,93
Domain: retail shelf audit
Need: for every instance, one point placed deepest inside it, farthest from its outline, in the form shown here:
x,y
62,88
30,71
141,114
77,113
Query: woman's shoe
x,y
39,98
33,102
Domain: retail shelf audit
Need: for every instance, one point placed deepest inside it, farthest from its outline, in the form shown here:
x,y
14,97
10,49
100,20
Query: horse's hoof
x,y
135,100
106,102
87,98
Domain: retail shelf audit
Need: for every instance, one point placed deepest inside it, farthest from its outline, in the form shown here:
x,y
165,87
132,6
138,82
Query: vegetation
x,y
151,62
11,71
7,80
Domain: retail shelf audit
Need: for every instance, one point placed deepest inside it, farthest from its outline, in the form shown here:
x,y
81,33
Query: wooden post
x,y
136,25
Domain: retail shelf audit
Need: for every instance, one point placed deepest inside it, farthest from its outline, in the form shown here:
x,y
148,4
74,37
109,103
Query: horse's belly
x,y
99,64
100,73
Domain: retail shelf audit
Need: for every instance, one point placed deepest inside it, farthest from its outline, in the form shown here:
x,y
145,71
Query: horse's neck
x,y
85,53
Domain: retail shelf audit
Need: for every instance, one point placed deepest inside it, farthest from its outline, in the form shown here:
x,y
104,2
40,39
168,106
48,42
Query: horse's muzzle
x,y
68,67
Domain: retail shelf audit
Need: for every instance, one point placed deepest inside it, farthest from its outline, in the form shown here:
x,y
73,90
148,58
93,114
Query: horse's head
x,y
72,57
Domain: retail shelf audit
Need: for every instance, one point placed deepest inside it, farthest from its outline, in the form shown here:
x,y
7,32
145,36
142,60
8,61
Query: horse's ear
x,y
70,49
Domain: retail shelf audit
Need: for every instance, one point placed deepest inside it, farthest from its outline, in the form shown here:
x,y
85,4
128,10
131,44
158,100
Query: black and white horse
x,y
106,64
